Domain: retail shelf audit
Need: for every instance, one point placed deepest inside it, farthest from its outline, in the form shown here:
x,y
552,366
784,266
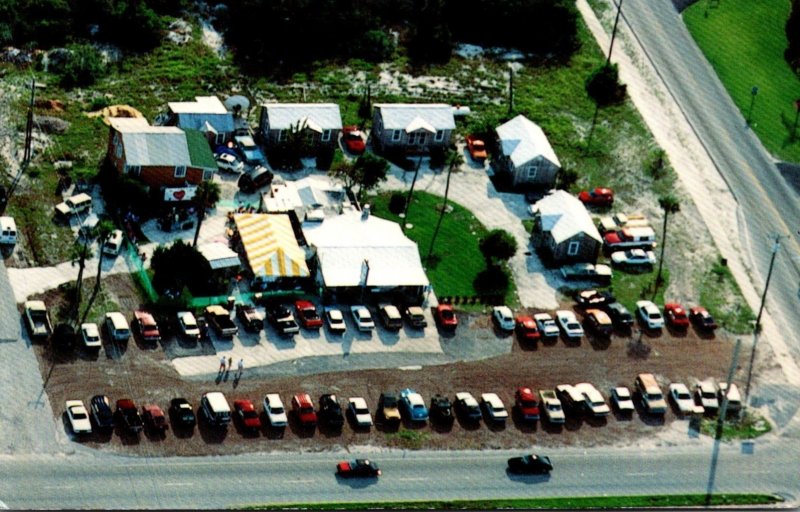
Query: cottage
x,y
321,122
206,114
412,128
526,154
563,231
311,198
164,157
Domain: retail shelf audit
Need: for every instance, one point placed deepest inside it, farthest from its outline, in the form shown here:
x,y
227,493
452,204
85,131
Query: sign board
x,y
179,194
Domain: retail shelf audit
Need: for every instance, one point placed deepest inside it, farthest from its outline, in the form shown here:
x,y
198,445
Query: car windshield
x,y
655,316
276,410
362,410
390,401
553,407
78,415
656,396
682,395
708,394
528,403
573,326
250,414
447,314
307,410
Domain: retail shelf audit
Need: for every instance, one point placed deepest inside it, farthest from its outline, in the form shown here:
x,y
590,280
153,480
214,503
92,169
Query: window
x,y
439,136
572,248
219,138
133,169
326,136
180,171
208,174
280,135
417,138
396,135
531,171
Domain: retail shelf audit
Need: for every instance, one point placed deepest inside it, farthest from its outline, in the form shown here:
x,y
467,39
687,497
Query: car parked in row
x,y
154,418
600,196
634,258
682,398
620,316
650,392
649,314
181,413
594,402
467,406
587,272
335,319
362,318
389,407
551,406
702,319
526,404
303,409
733,395
247,415
676,316
146,327
547,326
441,410
503,318
413,405
357,407
103,416
275,411
599,322
251,318
78,417
494,408
215,410
330,411
90,336
705,395
594,298
527,330
390,317
445,316
282,319
307,314
415,317
128,416
569,324
622,400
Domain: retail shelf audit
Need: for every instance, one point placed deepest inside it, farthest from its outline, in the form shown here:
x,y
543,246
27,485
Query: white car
x,y
569,323
649,314
188,324
362,317
634,258
358,408
335,320
503,317
546,325
275,411
679,394
90,334
78,417
622,399
228,162
734,397
595,403
705,394
494,407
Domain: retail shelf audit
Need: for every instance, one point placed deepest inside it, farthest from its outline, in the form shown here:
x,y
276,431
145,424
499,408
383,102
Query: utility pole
x,y
753,94
510,90
410,193
614,33
29,126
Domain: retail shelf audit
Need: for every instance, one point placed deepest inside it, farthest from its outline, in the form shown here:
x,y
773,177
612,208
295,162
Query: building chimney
x,y
365,212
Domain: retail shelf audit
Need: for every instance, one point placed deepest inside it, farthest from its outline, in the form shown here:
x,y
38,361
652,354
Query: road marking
x,y
299,481
641,474
59,486
178,484
415,479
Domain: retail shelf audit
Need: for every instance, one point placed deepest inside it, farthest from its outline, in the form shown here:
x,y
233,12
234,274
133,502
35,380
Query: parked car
x,y
676,316
414,405
187,325
307,314
599,322
128,416
79,203
571,399
353,140
154,418
90,336
547,326
634,258
650,391
389,407
620,220
551,406
526,404
181,413
251,318
594,402
335,320
649,314
530,464
734,397
357,468
702,319
441,410
247,415
362,318
600,196
113,244
275,411
445,316
681,397
569,324
249,150
503,318
78,417
630,238
220,320
476,148
415,317
256,179
527,331
594,298
390,317
283,320
359,411
228,162
146,327
622,399
117,327
705,394
215,409
620,316
100,406
330,412
303,409
468,407
587,272
37,319
494,408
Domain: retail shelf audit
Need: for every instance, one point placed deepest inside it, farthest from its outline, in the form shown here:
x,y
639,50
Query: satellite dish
x,y
237,104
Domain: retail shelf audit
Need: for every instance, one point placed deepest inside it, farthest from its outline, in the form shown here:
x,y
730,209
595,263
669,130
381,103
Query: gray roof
x,y
414,116
205,109
317,116
564,216
522,140
147,145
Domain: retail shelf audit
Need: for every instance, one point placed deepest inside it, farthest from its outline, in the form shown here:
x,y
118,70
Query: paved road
x,y
85,480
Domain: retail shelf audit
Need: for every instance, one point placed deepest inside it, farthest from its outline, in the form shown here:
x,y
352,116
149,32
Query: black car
x,y
252,181
181,413
202,326
101,412
358,468
283,320
129,416
468,407
594,298
530,464
330,412
441,409
620,315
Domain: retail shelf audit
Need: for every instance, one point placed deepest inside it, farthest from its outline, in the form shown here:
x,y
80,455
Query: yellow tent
x,y
270,245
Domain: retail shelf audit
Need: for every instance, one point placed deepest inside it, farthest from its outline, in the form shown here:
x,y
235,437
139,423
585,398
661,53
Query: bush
x,y
182,266
494,280
82,67
565,178
397,203
498,244
604,87
376,46
437,157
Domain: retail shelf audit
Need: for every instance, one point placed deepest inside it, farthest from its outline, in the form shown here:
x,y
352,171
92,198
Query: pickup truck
x,y
550,406
129,416
220,320
37,319
251,318
476,148
283,320
146,326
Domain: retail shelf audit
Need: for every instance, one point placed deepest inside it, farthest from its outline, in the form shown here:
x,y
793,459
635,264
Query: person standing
x,y
241,367
222,364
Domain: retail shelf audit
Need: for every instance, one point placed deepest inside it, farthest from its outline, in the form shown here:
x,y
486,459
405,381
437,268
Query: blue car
x,y
414,405
250,152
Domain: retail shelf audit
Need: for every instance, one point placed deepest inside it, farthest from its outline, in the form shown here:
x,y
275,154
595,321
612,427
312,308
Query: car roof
x,y
466,397
358,402
525,392
335,314
118,319
273,398
504,310
600,315
126,403
565,313
301,304
90,329
542,316
304,399
622,391
492,399
679,386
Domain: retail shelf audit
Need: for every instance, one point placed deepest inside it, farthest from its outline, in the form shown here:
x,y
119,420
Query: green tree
x,y
670,204
102,233
604,87
83,66
376,46
498,245
367,172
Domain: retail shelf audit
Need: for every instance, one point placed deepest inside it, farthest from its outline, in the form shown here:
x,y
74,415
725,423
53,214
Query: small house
x,y
205,114
525,154
321,122
563,231
412,127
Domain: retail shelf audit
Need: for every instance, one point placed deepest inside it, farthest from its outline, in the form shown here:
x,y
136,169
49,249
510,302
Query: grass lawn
x,y
750,426
721,296
743,31
629,288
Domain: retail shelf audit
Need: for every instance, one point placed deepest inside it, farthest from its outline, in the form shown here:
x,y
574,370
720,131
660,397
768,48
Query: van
x,y
390,317
8,231
652,398
79,203
117,326
571,399
113,243
215,409
631,238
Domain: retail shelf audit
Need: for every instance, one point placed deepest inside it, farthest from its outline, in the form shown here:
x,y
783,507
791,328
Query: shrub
x,y
82,67
376,46
498,244
397,203
325,158
437,157
493,280
604,87
565,178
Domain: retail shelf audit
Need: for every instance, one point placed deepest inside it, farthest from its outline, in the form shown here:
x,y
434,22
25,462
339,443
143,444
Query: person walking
x,y
222,364
230,363
241,367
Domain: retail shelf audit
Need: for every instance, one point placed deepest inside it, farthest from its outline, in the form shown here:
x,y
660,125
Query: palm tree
x,y
207,194
670,204
455,159
79,252
103,231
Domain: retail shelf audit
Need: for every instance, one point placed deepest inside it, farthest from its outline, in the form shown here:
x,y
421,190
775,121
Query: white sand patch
x,y
213,39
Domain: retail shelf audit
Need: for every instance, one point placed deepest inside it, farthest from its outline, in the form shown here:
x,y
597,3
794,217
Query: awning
x,y
270,245
219,255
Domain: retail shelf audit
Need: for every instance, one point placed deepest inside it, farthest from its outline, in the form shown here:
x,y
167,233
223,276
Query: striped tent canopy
x,y
270,245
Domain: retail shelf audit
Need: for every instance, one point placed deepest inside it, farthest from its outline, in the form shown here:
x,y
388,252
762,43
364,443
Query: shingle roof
x,y
152,145
414,116
317,116
523,140
564,216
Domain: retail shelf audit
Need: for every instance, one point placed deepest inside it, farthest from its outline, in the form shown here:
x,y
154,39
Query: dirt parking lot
x,y
146,376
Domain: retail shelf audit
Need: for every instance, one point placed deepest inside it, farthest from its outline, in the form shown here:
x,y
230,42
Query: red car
x,y
676,316
303,409
307,313
445,316
600,196
247,414
154,417
145,325
702,319
353,139
527,404
476,148
526,329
